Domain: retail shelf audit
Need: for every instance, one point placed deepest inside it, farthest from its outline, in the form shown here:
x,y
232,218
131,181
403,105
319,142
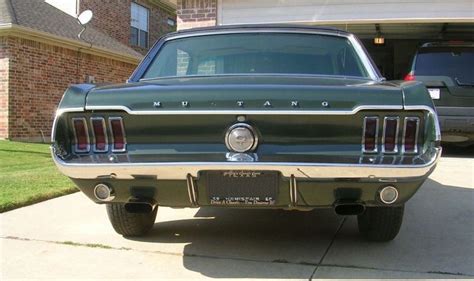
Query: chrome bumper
x,y
181,170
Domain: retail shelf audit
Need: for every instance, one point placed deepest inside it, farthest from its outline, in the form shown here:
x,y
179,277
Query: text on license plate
x,y
242,187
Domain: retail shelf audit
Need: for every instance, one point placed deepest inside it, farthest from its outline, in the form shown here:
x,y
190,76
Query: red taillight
x,y
410,134
410,77
369,141
81,135
100,134
118,134
390,134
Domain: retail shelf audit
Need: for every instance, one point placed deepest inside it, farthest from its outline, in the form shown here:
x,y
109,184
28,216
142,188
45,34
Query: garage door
x,y
337,11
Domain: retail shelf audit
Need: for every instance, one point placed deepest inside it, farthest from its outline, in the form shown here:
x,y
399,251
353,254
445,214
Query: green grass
x,y
28,175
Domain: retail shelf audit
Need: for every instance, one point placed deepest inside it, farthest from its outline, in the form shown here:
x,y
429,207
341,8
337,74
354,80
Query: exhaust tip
x,y
139,207
104,193
349,209
388,194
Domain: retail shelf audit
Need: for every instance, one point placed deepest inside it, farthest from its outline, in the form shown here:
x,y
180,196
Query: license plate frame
x,y
242,187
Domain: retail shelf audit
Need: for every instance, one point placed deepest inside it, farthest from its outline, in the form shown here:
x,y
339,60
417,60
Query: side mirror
x,y
85,17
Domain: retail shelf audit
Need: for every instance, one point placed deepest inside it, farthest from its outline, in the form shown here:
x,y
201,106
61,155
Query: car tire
x,y
130,224
381,224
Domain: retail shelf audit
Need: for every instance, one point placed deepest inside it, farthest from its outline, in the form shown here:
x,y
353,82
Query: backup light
x,y
103,192
388,194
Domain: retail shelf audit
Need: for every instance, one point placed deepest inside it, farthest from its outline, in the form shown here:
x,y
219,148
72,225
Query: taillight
x,y
410,76
81,135
370,135
390,134
410,134
100,134
118,134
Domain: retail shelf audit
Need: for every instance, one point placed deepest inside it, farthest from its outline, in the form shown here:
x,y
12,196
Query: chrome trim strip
x,y
417,128
363,56
191,190
395,149
112,135
244,112
84,122
376,140
253,30
293,191
180,170
369,67
58,114
104,128
432,112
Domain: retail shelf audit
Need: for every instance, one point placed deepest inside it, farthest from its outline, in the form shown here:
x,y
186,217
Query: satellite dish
x,y
85,17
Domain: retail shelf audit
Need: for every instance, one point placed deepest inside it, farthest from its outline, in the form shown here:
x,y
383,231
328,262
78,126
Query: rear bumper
x,y
367,167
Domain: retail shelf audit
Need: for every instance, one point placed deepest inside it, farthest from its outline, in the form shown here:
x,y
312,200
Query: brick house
x,y
41,55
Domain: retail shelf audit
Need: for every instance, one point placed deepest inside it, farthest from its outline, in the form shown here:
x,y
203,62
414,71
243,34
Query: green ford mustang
x,y
255,116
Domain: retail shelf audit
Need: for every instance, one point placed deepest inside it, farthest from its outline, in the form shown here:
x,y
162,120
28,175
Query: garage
x,y
390,30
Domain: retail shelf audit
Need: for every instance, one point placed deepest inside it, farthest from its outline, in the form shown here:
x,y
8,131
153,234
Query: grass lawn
x,y
28,175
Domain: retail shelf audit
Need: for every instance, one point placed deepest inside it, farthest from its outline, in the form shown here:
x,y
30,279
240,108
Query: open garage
x,y
400,26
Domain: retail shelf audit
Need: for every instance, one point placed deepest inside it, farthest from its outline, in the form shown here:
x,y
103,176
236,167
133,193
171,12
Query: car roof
x,y
244,27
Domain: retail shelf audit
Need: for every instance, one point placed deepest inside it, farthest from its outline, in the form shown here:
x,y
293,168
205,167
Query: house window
x,y
139,26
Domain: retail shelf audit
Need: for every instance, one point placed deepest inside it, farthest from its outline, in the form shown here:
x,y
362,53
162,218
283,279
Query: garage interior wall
x,y
354,11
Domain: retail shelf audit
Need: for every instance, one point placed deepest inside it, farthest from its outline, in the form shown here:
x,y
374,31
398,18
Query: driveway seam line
x,y
106,247
398,270
327,249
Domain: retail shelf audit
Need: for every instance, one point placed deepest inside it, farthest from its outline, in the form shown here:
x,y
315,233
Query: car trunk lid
x,y
245,93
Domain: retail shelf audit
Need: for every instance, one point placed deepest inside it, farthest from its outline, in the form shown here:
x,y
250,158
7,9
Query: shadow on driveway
x,y
436,238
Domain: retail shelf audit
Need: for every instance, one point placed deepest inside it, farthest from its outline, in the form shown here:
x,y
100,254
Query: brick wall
x,y
39,74
113,18
4,49
110,16
196,13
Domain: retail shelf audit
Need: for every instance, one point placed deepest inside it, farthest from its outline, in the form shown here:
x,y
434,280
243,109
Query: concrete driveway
x,y
70,237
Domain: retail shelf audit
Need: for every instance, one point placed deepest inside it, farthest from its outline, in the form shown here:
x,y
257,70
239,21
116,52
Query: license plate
x,y
242,187
434,93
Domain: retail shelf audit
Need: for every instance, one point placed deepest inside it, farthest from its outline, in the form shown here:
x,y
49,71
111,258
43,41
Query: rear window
x,y
456,63
256,53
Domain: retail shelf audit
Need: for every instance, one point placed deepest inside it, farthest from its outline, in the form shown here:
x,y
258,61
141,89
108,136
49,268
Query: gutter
x,y
15,30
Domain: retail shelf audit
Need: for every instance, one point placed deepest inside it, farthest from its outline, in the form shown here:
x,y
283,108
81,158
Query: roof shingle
x,y
41,16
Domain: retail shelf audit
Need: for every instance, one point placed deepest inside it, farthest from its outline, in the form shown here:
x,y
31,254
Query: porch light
x,y
379,40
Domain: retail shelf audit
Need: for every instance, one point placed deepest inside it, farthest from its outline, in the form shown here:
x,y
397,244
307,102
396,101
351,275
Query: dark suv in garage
x,y
447,70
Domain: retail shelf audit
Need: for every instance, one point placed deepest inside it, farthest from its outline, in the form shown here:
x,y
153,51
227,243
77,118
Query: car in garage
x,y
253,116
446,68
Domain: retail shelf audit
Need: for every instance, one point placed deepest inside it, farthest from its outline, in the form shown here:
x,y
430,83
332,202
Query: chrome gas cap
x,y
241,137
